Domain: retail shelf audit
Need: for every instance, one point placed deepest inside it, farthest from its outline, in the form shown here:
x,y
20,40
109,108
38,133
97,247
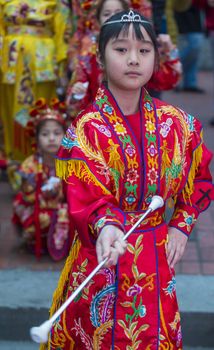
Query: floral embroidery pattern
x,y
165,127
129,149
151,150
134,304
189,220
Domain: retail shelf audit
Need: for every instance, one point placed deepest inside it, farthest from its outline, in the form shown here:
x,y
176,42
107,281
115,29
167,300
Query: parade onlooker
x,y
88,75
119,152
208,7
190,40
33,52
40,208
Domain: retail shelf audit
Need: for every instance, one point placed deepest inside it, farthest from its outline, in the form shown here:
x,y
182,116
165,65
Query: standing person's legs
x,y
6,115
212,57
189,47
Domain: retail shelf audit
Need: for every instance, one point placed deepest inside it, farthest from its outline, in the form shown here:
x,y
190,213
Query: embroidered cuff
x,y
184,218
106,220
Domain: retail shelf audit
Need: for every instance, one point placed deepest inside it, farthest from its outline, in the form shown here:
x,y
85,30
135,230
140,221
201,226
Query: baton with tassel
x,y
40,334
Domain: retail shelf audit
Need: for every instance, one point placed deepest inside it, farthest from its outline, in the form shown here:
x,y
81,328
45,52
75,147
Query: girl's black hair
x,y
43,122
112,31
101,3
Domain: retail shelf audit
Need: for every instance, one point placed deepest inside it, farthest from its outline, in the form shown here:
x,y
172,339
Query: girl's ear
x,y
99,60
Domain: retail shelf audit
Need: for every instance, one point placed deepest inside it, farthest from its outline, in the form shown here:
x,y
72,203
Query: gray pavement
x,y
9,345
32,346
26,298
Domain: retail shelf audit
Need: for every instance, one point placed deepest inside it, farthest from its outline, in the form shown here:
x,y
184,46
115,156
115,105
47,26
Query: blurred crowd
x,y
49,72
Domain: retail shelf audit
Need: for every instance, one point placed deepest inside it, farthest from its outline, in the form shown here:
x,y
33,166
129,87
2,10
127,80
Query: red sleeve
x,y
202,4
187,210
79,75
91,209
90,192
3,163
166,77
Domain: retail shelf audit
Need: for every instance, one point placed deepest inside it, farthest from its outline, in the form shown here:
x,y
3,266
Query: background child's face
x,y
50,136
129,62
110,8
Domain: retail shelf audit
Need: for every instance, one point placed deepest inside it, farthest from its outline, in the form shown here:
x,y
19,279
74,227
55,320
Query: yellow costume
x,y
32,45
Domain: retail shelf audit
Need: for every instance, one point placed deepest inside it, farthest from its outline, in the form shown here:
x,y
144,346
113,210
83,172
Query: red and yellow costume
x,y
113,165
35,210
33,54
40,207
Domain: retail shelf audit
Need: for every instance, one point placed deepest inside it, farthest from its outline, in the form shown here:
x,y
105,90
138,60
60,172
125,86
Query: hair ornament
x,y
131,17
42,110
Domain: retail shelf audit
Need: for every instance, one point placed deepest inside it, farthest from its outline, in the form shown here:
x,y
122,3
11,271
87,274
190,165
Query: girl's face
x,y
129,62
110,8
50,136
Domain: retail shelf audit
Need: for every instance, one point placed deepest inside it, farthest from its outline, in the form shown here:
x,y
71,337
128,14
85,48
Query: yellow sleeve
x,y
2,31
181,5
62,29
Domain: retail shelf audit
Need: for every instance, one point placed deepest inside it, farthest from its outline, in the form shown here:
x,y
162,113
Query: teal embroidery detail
x,y
68,143
191,120
148,106
100,223
171,288
189,220
130,199
108,109
139,310
94,309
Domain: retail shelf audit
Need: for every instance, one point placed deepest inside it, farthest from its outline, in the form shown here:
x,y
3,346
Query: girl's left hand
x,y
176,245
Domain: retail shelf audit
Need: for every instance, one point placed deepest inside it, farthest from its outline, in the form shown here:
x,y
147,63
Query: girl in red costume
x,y
87,75
40,208
121,150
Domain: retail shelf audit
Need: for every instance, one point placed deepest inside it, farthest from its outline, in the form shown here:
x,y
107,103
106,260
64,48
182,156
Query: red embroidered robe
x,y
111,178
41,214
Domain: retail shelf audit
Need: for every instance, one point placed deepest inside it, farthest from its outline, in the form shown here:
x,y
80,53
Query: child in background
x,y
40,208
123,149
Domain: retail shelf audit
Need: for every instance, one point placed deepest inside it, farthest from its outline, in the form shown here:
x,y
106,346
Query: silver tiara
x,y
131,17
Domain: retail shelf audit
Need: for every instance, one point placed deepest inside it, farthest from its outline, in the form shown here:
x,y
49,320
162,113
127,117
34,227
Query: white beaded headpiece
x,y
131,17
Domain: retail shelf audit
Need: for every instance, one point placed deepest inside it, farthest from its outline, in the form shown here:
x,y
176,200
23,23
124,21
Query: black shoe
x,y
211,122
193,89
178,89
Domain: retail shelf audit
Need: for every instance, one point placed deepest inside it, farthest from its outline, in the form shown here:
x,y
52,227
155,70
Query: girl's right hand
x,y
110,244
76,92
79,88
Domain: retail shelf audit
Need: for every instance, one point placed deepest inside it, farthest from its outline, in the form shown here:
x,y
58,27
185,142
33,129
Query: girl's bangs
x,y
123,29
